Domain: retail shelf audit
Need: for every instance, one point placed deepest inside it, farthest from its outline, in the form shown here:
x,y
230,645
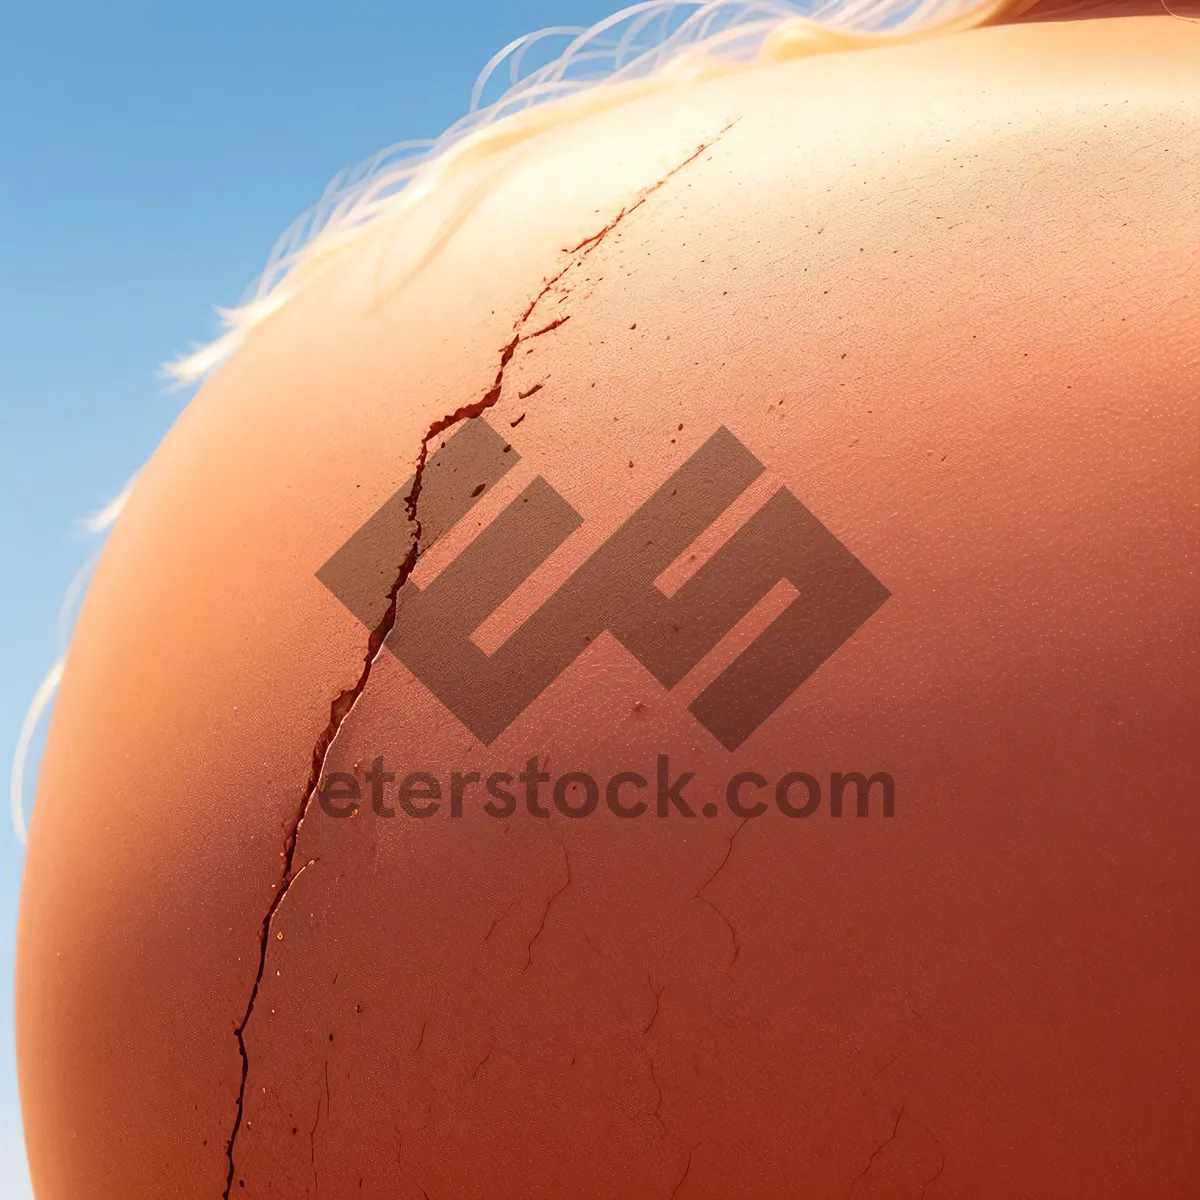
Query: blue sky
x,y
150,154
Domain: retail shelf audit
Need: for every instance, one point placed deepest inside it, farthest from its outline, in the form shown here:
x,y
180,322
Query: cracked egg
x,y
666,669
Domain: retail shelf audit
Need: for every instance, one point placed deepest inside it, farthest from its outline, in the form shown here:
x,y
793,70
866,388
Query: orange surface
x,y
947,296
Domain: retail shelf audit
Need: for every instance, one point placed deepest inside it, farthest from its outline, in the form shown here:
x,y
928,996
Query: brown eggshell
x,y
946,295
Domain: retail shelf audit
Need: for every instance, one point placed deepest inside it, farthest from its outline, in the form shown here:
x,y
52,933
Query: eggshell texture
x,y
946,296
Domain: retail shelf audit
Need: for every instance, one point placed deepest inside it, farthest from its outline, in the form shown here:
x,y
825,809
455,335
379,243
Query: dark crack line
x,y
699,894
312,1146
480,1063
875,1153
687,1168
733,937
342,705
581,250
492,926
885,1066
933,1178
590,243
657,1113
339,710
657,1003
600,954
548,328
546,911
728,852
